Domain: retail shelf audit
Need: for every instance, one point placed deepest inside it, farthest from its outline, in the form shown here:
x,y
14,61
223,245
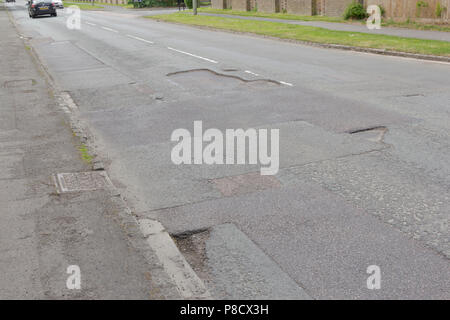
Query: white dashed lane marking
x,y
140,39
192,55
281,82
183,52
109,29
255,74
286,83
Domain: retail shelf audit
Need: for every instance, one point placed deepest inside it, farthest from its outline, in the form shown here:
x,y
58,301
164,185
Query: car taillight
x,y
33,5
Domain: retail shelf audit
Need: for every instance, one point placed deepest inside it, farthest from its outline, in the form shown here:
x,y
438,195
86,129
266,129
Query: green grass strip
x,y
313,34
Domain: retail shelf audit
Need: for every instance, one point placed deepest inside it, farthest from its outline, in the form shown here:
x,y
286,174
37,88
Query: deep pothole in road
x,y
209,80
192,244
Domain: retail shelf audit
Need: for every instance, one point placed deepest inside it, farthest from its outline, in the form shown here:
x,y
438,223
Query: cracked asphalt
x,y
341,201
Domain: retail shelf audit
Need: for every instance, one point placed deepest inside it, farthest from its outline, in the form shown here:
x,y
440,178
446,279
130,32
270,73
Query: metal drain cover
x,y
82,181
19,83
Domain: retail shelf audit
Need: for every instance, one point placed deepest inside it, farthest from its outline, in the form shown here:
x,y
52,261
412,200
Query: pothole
x,y
192,244
189,233
230,69
367,129
208,80
375,134
413,95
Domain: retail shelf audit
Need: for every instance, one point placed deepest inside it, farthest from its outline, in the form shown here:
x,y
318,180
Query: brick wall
x,y
283,5
302,7
395,9
219,4
240,5
404,9
105,1
335,8
269,6
320,7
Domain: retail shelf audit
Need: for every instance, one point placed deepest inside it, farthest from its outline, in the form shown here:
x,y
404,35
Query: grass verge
x,y
313,34
416,25
286,16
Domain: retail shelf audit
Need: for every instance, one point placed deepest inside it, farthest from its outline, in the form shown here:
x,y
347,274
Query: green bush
x,y
419,6
382,10
440,10
190,3
355,11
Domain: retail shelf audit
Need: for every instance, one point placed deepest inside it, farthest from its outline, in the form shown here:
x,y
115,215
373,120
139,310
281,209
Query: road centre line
x,y
286,83
281,82
91,24
252,73
192,55
140,39
109,29
184,52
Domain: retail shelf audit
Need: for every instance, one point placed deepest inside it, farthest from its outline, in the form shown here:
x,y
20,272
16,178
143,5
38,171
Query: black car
x,y
41,7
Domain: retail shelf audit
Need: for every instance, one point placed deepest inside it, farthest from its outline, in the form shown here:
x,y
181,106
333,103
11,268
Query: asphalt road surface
x,y
343,199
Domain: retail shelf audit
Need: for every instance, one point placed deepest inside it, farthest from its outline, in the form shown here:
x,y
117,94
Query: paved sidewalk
x,y
400,32
42,232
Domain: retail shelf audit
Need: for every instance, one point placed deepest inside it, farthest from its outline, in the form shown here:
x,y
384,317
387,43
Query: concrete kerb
x,y
159,244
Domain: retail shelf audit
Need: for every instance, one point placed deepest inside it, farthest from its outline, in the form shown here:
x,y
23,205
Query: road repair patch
x,y
245,183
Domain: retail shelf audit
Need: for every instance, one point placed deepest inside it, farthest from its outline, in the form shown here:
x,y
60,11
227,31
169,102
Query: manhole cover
x,y
19,83
82,181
